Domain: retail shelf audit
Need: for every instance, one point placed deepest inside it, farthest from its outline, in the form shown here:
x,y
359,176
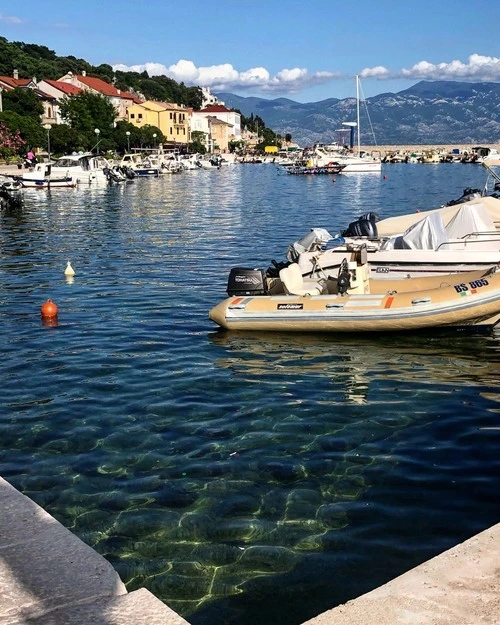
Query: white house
x,y
225,115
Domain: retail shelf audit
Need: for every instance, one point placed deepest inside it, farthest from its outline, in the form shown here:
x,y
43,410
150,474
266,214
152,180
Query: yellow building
x,y
171,119
221,134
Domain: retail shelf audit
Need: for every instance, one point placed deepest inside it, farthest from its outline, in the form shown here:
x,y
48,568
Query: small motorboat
x,y
459,238
82,167
315,170
42,176
353,302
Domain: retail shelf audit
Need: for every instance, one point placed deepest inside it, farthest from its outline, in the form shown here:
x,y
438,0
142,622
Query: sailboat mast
x,y
357,113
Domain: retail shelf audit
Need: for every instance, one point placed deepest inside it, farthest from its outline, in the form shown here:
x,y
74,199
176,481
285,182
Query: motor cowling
x,y
246,281
361,228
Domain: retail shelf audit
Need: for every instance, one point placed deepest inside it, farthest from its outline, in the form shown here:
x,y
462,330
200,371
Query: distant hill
x,y
430,112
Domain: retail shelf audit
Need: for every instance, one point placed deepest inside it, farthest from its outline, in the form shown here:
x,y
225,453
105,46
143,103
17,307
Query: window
x,y
132,115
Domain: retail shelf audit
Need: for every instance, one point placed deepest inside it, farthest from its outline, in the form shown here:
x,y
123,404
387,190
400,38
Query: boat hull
x,y
48,183
359,167
142,172
389,264
455,303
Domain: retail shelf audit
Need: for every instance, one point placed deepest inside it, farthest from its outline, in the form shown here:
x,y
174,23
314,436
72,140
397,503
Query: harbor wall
x,y
438,147
48,576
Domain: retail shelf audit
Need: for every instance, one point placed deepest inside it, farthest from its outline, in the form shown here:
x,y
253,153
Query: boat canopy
x,y
398,225
468,219
427,234
430,233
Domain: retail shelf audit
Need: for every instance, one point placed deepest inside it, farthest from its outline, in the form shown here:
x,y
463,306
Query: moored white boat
x,y
43,176
352,162
140,165
324,154
353,302
83,167
458,238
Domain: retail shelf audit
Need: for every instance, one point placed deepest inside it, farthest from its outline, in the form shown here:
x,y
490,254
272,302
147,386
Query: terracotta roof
x,y
65,87
105,88
218,122
14,82
216,108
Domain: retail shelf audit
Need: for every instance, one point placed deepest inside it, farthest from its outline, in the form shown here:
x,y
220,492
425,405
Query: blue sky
x,y
304,50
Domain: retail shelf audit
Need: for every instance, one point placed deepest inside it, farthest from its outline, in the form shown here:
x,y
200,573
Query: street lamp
x,y
47,128
154,139
97,133
128,141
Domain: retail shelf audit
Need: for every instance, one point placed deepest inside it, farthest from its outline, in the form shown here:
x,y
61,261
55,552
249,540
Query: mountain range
x,y
428,113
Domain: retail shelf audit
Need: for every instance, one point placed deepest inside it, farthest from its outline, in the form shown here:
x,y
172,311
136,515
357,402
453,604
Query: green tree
x,y
64,140
86,111
23,102
236,146
197,143
194,98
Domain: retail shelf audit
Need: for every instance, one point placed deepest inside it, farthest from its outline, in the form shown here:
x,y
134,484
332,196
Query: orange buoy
x,y
49,309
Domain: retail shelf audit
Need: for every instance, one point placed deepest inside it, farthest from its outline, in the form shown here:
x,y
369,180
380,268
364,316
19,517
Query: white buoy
x,y
69,271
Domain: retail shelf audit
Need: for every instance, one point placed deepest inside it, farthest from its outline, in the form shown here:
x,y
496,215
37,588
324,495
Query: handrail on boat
x,y
494,237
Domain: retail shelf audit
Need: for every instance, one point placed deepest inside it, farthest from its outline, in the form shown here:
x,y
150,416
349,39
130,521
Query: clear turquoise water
x,y
242,478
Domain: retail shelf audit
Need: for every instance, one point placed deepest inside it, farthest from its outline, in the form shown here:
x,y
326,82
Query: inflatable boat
x,y
353,302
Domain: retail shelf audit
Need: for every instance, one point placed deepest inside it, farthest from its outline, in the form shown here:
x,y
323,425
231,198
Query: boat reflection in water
x,y
356,361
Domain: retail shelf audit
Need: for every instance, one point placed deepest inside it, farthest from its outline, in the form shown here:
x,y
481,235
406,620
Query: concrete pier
x,y
48,576
459,587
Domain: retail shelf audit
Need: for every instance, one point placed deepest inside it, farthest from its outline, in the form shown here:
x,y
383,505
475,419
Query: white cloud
x,y
375,72
225,77
10,19
477,68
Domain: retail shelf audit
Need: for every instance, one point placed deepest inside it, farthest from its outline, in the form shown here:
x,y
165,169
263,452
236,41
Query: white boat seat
x,y
294,283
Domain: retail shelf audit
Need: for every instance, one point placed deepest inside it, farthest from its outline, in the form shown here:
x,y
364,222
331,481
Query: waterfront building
x,y
171,119
57,90
201,123
233,118
121,100
208,98
48,101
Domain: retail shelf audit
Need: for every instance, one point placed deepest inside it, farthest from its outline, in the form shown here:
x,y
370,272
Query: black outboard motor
x,y
245,281
361,228
371,216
